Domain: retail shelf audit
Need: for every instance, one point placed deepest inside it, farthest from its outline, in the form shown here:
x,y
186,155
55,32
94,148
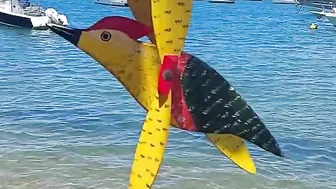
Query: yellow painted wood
x,y
171,20
235,149
151,146
141,10
170,40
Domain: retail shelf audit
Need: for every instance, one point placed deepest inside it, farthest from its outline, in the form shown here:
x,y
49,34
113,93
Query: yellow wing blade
x,y
141,11
171,20
151,146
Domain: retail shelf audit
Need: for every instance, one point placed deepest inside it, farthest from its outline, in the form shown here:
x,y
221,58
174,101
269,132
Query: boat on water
x,y
325,9
22,13
291,2
331,16
317,3
222,1
119,3
319,14
332,19
328,12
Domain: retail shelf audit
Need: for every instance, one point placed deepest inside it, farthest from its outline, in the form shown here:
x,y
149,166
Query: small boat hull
x,y
290,2
332,19
14,20
118,3
222,1
319,15
18,20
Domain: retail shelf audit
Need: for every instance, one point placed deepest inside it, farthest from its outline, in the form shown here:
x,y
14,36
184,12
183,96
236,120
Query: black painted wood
x,y
216,107
15,20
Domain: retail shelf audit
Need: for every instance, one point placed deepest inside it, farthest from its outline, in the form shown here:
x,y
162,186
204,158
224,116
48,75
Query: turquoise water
x,y
66,123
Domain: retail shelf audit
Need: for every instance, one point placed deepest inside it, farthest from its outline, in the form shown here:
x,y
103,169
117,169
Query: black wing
x,y
216,107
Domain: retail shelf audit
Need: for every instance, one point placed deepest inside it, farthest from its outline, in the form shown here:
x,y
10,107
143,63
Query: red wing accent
x,y
179,107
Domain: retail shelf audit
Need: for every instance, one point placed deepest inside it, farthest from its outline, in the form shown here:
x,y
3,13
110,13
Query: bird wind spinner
x,y
175,87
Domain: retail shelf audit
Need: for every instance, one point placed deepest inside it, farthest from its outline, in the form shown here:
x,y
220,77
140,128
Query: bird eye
x,y
105,36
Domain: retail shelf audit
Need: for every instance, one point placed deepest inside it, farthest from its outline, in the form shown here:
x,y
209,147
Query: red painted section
x,y
169,64
179,107
130,27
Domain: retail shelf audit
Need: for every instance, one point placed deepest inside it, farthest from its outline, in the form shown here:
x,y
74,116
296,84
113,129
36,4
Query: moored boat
x,y
331,16
221,1
294,2
120,3
22,13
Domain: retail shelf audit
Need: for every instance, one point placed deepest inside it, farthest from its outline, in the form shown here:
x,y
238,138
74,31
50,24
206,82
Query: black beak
x,y
72,35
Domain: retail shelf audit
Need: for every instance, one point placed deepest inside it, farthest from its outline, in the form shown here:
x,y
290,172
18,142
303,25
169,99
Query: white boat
x,y
292,2
321,14
329,13
332,19
222,1
22,13
331,16
120,3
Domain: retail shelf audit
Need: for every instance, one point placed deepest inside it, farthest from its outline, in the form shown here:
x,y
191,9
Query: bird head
x,y
112,37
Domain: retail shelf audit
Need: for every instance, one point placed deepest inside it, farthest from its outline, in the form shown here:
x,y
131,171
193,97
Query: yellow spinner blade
x,y
151,146
154,136
141,11
171,20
